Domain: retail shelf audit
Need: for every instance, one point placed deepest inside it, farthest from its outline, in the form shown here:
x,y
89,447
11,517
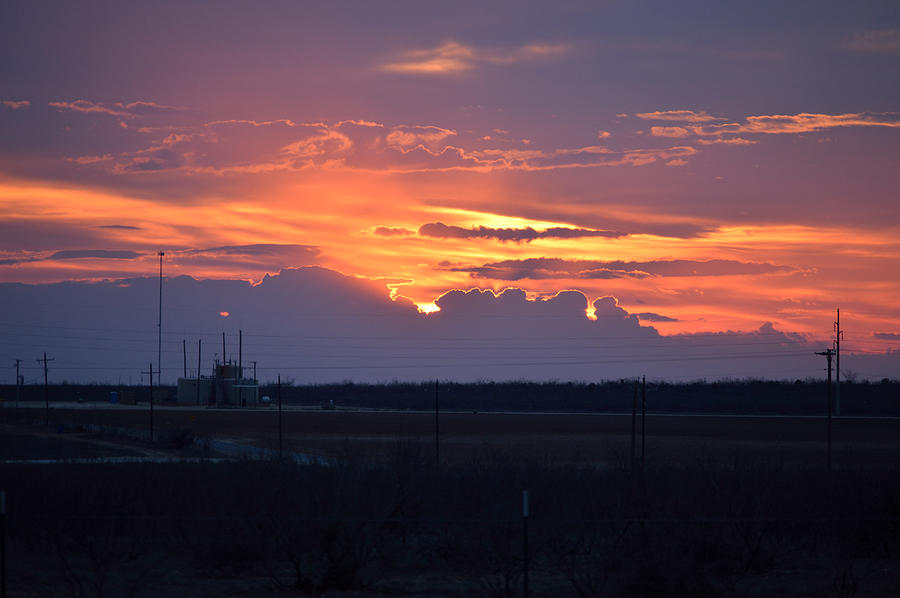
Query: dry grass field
x,y
725,506
583,438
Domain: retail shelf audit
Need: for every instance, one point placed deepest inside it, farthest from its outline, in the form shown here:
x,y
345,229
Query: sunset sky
x,y
713,167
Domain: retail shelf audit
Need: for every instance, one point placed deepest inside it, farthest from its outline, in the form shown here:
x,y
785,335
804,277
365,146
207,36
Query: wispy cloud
x,y
728,141
78,254
881,41
256,250
120,109
887,336
441,230
407,137
555,268
16,104
69,254
686,116
452,57
255,147
675,132
772,124
804,122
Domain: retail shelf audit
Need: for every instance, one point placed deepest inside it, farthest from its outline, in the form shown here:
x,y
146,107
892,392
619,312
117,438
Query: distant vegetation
x,y
738,396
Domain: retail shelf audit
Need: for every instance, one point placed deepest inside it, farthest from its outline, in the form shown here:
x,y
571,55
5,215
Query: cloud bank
x,y
316,325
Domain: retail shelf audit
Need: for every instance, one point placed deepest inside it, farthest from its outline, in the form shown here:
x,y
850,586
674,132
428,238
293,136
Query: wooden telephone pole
x,y
151,398
46,390
828,353
838,336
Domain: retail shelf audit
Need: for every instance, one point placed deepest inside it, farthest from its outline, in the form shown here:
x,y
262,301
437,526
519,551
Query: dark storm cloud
x,y
888,336
257,249
652,317
331,327
385,231
48,235
266,257
441,230
9,261
77,254
70,254
549,268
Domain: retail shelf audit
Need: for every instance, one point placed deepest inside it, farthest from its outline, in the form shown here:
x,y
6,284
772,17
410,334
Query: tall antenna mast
x,y
838,335
159,325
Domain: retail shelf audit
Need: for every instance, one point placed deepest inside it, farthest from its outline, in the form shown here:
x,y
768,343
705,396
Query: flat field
x,y
603,439
727,506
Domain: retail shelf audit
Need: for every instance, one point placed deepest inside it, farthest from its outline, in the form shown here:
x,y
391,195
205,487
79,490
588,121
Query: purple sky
x,y
706,168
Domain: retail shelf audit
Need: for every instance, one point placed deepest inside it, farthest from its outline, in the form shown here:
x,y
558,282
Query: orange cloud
x,y
669,132
406,137
764,124
16,104
729,141
453,57
688,116
124,110
801,123
254,147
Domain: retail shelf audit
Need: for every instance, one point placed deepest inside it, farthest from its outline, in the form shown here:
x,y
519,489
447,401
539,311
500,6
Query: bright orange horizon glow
x,y
804,270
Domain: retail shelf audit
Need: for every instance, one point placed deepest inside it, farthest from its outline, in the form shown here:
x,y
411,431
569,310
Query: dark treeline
x,y
702,530
738,396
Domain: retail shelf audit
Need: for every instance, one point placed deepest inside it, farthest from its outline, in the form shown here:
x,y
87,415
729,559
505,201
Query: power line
x,y
178,334
718,357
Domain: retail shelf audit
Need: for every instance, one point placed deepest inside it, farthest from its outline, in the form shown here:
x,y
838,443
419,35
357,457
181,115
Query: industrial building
x,y
227,387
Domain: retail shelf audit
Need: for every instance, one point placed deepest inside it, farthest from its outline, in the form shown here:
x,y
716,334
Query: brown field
x,y
748,509
590,438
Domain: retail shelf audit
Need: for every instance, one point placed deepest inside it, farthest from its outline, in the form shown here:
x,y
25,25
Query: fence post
x,y
280,425
525,543
2,544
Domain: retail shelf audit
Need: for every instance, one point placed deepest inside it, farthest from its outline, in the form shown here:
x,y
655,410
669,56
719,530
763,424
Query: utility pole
x,y
223,349
838,335
525,514
634,401
280,425
159,327
241,353
151,398
2,544
437,429
254,373
199,353
828,353
18,383
46,390
184,355
643,419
